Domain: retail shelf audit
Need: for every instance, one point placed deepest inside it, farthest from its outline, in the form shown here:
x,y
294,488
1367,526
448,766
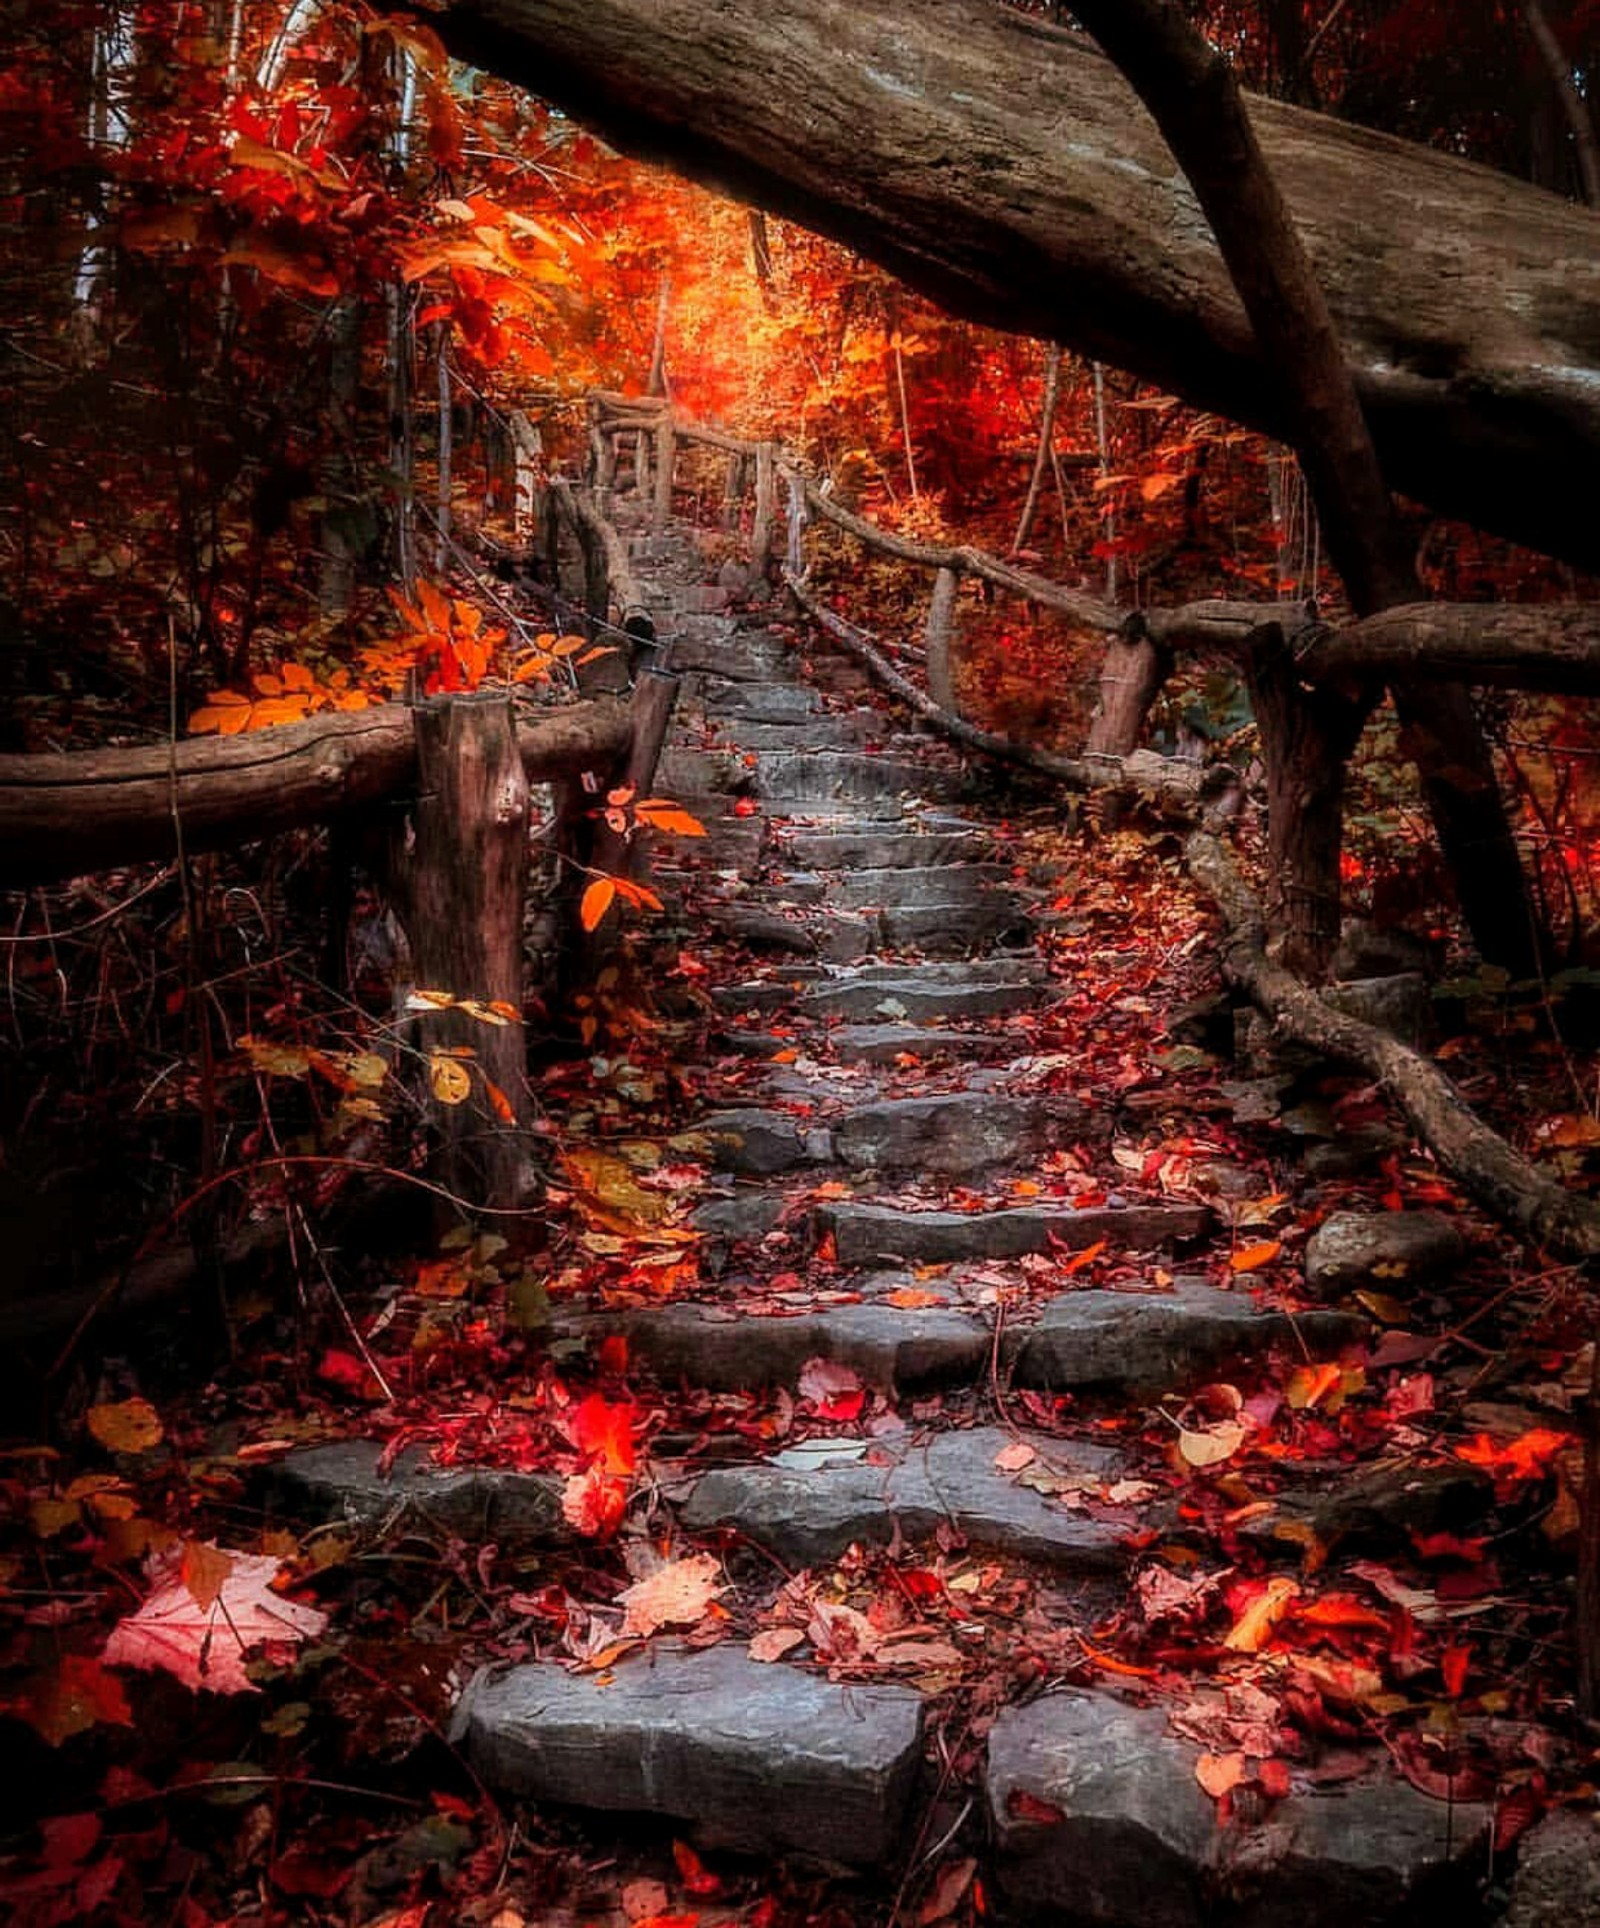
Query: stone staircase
x,y
871,1097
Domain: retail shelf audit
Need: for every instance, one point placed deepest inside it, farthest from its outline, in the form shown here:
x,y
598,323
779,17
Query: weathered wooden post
x,y
665,451
939,639
461,883
733,494
765,514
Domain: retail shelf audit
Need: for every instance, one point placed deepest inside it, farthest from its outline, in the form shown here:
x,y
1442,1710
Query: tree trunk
x,y
939,638
1041,460
460,893
1306,740
997,164
1130,680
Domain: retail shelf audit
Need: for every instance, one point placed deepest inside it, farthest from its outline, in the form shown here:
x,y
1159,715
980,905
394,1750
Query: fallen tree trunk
x,y
1502,1181
63,815
992,160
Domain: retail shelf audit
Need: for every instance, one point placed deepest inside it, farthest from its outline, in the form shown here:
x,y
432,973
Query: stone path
x,y
871,1099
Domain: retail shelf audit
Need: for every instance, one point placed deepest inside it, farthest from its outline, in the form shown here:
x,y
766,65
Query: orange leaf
x,y
1218,1773
1250,1258
696,1876
1251,1631
597,1427
1086,1257
128,1426
499,1103
596,902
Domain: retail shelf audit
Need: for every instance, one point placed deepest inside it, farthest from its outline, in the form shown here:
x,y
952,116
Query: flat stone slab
x,y
882,1234
342,1483
884,1043
738,657
863,888
828,775
759,702
1141,1342
880,851
1395,1252
758,1143
1136,1843
899,1348
956,1135
762,1758
959,925
1557,1883
808,1515
914,995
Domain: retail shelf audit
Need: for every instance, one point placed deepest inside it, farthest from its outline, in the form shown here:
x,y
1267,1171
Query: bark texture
x,y
63,815
994,161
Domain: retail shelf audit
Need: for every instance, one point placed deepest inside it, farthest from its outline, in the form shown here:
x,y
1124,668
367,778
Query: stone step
x,y
757,1143
1097,1818
1145,1342
886,1235
343,1482
720,698
901,887
751,656
897,1348
827,776
886,1043
806,1508
796,930
844,730
954,929
911,994
760,1758
956,1135
886,849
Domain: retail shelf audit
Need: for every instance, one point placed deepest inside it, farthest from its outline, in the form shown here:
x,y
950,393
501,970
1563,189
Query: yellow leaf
x,y
596,902
1251,1631
128,1426
1250,1258
1214,1445
449,1078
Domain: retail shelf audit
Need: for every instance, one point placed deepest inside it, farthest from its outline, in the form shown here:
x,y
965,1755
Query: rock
x,y
918,887
754,1143
1379,1507
1144,1342
1353,1153
759,929
759,702
811,1514
1557,1883
749,656
957,1135
826,776
1367,951
885,1043
1206,1022
900,1348
915,995
1401,1005
745,1218
819,731
1137,1845
1395,1252
946,930
341,1482
762,1758
883,1234
879,851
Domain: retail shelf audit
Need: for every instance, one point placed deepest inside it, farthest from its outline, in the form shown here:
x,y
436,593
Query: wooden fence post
x,y
460,894
733,495
766,513
939,639
666,440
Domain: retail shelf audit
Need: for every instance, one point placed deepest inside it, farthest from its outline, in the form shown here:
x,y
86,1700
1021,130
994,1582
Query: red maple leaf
x,y
205,1646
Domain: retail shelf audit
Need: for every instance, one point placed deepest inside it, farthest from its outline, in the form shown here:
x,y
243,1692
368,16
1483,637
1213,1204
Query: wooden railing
x,y
653,433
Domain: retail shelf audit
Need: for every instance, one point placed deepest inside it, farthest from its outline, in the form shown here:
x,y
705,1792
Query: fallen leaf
x,y
949,1891
1250,1258
1219,1773
675,1595
594,1502
128,1426
1251,1631
1012,1458
1023,1806
1214,1444
696,1877
205,1646
772,1643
